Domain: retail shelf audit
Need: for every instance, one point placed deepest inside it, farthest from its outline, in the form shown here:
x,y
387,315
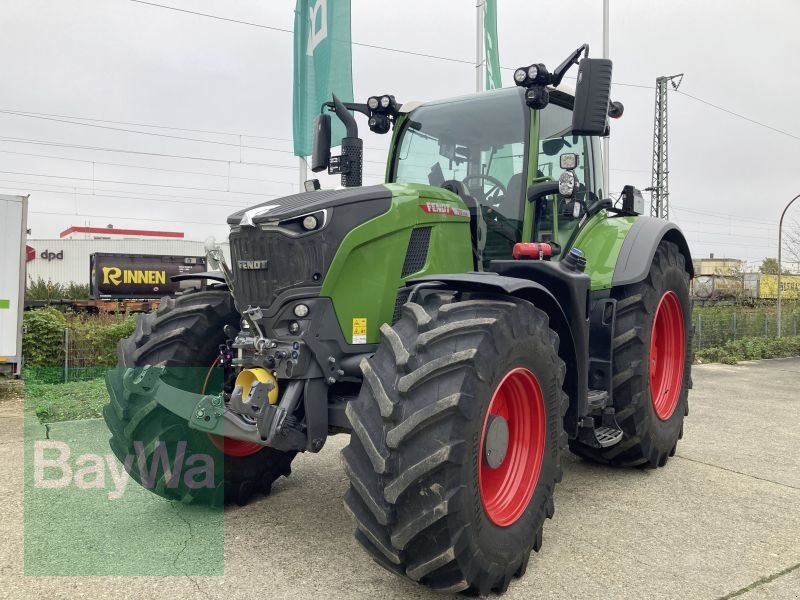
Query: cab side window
x,y
555,139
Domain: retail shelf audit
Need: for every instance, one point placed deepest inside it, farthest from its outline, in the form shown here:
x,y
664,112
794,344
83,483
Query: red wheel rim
x,y
667,355
229,446
507,490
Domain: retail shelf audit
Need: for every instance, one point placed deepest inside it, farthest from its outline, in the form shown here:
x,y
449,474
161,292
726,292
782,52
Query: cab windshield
x,y
477,140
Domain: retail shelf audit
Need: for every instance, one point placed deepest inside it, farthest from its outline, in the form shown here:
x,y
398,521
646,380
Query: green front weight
x,y
202,412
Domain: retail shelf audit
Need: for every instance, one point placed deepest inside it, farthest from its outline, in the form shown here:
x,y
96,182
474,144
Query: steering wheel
x,y
495,192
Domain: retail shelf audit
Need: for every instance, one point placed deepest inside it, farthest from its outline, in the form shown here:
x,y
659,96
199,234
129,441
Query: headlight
x,y
568,161
310,222
520,75
372,103
567,183
533,71
301,311
385,101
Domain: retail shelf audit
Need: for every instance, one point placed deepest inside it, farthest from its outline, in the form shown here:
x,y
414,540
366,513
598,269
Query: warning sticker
x,y
359,331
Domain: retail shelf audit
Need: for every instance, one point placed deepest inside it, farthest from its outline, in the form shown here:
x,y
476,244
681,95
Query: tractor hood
x,y
306,203
273,251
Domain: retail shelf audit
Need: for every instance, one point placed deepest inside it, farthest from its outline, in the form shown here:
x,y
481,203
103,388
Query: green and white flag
x,y
492,60
322,65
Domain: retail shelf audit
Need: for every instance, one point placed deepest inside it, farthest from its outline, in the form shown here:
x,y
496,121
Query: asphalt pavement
x,y
721,520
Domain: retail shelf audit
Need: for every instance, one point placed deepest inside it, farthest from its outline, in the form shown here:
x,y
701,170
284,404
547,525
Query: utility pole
x,y
606,150
659,198
302,171
479,49
780,256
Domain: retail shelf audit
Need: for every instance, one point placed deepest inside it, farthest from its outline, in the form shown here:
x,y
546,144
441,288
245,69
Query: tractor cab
x,y
500,152
489,148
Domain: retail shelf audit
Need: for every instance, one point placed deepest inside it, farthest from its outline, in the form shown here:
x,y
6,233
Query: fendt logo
x,y
117,276
253,265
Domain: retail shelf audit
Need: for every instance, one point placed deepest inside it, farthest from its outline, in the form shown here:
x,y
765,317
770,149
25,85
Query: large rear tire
x,y
184,335
652,365
449,379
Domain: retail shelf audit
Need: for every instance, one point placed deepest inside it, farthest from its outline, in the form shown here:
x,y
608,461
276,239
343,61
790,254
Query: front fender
x,y
639,248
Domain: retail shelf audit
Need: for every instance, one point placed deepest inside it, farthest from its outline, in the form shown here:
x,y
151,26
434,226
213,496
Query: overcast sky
x,y
120,61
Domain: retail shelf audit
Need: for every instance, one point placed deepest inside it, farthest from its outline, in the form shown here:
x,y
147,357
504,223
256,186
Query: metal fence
x,y
81,360
716,328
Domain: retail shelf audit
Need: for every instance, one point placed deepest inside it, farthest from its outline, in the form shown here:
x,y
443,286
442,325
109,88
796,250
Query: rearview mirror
x,y
321,152
592,93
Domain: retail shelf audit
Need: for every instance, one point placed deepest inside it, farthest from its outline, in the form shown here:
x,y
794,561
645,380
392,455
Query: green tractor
x,y
466,322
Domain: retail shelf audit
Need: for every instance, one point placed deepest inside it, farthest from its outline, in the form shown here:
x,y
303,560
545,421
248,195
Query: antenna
x,y
659,198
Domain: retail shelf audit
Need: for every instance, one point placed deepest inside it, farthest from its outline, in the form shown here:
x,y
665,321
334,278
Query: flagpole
x,y
606,151
479,49
303,173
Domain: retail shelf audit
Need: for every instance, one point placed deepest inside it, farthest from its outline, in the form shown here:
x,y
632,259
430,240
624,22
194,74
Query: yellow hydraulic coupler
x,y
247,377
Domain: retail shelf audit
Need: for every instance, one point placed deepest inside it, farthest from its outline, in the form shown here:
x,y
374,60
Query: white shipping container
x,y
13,227
66,261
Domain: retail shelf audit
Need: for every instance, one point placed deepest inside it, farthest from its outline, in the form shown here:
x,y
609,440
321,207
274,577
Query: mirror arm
x,y
572,59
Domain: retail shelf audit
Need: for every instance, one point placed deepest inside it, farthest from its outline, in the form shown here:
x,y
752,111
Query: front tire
x,y
427,502
184,335
652,365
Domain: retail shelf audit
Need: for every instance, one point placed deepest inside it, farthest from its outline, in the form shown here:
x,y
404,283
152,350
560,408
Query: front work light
x,y
567,182
568,161
386,101
301,311
372,103
520,75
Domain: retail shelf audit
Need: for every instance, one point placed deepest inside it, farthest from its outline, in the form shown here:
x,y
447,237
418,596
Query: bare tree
x,y
791,242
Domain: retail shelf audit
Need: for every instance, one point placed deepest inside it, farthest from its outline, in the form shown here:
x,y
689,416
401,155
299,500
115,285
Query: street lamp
x,y
780,269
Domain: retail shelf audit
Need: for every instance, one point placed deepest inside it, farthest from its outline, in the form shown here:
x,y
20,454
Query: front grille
x,y
290,262
417,252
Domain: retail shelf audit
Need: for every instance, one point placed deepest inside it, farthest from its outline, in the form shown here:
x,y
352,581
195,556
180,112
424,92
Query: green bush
x,y
92,343
77,291
44,290
750,349
93,340
716,325
49,290
43,339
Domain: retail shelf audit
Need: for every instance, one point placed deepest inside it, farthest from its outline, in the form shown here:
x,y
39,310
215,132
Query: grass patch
x,y
732,352
66,401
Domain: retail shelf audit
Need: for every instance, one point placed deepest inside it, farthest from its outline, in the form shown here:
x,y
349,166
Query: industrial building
x,y
66,260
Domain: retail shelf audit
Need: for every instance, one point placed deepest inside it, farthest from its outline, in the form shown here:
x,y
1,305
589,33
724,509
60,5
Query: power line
x,y
99,162
35,212
741,116
105,149
179,187
363,45
282,30
119,150
151,125
166,198
745,218
162,135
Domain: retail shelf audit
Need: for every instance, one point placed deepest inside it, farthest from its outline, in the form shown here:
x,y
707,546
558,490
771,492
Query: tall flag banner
x,y
323,65
492,61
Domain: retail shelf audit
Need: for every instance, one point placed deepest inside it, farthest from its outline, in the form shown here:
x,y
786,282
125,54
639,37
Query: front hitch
x,y
209,414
